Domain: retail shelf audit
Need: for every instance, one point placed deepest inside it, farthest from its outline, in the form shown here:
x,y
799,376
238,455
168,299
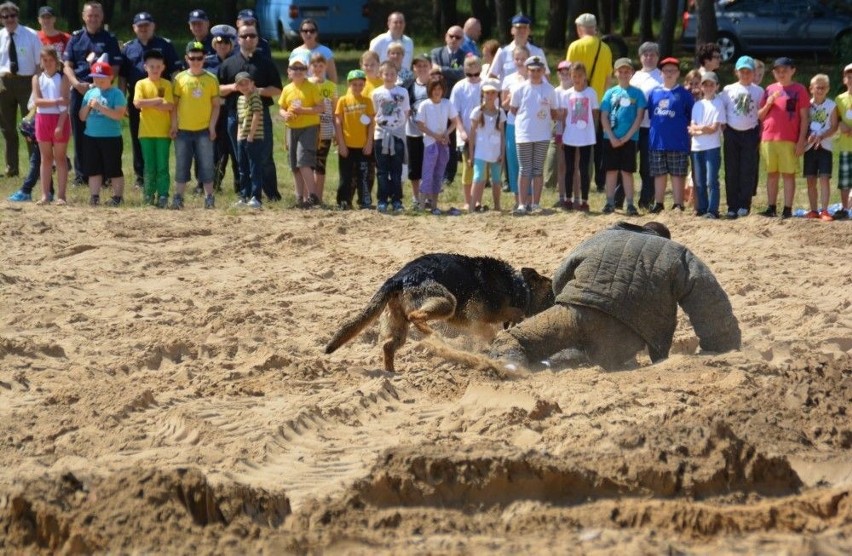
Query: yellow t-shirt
x,y
328,92
372,84
583,50
305,95
350,109
842,141
153,122
194,94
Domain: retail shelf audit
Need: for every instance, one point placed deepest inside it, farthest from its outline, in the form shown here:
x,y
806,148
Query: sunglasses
x,y
456,37
297,68
248,36
308,30
195,58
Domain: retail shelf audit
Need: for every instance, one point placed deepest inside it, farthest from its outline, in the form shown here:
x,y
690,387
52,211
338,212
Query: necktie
x,y
13,55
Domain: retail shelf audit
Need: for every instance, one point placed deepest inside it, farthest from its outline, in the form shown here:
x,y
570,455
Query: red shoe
x,y
584,206
825,217
568,205
811,215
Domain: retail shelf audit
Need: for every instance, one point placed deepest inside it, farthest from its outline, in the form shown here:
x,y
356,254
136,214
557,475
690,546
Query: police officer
x,y
85,47
249,17
133,70
224,37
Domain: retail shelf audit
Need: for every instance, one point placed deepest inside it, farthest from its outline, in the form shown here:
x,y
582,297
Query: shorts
x,y
45,128
303,143
194,145
779,157
844,174
669,162
415,157
818,162
322,155
483,171
622,159
102,156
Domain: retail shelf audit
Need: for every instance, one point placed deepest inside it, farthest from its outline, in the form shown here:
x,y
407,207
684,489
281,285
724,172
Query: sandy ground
x,y
163,389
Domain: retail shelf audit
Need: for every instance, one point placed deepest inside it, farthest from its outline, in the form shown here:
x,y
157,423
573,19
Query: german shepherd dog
x,y
470,292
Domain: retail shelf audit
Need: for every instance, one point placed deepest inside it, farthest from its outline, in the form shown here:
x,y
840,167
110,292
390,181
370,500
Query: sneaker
x,y
177,202
199,190
657,208
415,206
711,215
162,202
241,203
254,203
209,202
812,215
678,207
313,200
397,206
436,212
608,209
94,200
114,201
520,210
584,207
731,215
140,182
825,217
769,213
559,204
631,211
382,207
344,205
742,212
841,214
698,213
507,189
568,205
20,197
645,205
535,208
787,213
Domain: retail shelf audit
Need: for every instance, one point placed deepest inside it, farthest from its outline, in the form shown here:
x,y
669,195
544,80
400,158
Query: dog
x,y
468,292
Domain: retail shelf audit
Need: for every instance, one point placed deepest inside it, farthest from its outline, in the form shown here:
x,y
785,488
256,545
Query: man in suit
x,y
450,60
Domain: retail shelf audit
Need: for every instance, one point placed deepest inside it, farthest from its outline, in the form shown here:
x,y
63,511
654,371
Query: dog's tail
x,y
362,320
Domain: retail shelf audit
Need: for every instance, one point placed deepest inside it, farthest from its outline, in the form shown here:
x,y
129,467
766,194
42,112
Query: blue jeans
x,y
269,174
251,168
705,167
389,171
196,145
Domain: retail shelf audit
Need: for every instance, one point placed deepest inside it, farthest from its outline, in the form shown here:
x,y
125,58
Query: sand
x,y
163,389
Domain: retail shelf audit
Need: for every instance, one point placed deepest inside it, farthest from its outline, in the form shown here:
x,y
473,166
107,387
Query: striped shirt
x,y
247,105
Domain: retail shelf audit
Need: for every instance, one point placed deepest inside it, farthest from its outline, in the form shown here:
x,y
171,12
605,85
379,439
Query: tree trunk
x,y
605,19
504,10
707,26
480,10
575,8
667,27
630,9
557,18
109,9
646,28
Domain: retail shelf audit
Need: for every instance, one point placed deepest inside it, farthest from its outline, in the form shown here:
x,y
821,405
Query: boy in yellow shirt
x,y
301,104
353,124
153,97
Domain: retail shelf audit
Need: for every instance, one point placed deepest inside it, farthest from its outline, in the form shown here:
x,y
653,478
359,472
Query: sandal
x,y
43,201
60,202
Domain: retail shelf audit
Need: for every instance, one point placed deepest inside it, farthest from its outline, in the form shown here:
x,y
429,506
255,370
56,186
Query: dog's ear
x,y
530,275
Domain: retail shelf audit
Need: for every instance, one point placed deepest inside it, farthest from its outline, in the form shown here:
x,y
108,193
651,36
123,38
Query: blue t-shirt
x,y
98,124
670,111
622,106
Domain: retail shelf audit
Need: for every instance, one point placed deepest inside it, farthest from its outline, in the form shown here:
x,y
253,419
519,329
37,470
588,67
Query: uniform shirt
x,y
261,69
671,112
783,122
304,94
59,41
84,48
740,104
98,124
843,141
193,95
621,105
247,107
154,122
350,109
133,62
503,64
29,50
584,50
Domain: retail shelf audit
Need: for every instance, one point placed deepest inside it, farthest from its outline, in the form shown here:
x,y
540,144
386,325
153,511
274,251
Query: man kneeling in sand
x,y
617,293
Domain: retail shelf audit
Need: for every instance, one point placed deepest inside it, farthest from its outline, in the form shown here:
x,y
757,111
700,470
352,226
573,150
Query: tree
x,y
575,8
707,26
646,28
667,28
557,17
504,10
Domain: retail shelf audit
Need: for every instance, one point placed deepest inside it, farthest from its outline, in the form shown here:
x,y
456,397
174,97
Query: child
x,y
818,157
563,71
784,112
622,112
708,116
580,105
465,96
392,107
535,106
103,109
413,136
51,90
742,138
844,144
759,71
370,66
485,146
301,104
692,82
353,123
196,94
436,118
670,109
328,92
507,87
155,101
249,141
489,50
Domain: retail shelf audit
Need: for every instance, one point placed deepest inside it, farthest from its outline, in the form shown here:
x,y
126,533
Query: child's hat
x,y
242,76
623,62
564,64
355,74
534,62
299,59
847,69
669,60
710,76
745,62
783,61
421,58
490,85
194,46
101,69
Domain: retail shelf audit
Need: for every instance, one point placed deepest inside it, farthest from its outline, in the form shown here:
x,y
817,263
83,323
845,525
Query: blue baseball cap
x,y
198,15
247,14
783,61
143,17
521,19
745,62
